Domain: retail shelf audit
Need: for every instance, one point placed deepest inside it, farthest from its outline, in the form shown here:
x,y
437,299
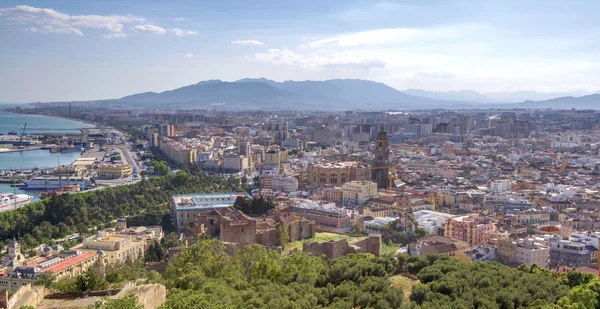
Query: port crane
x,y
22,135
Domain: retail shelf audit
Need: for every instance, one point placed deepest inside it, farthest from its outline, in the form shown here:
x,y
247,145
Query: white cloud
x,y
247,42
286,56
51,21
178,19
114,35
148,28
425,75
189,55
399,35
180,33
50,29
368,37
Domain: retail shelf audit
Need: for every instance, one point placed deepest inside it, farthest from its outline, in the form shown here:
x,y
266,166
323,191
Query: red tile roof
x,y
68,263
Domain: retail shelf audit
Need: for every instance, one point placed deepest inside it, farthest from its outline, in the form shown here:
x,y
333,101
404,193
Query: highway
x,y
128,156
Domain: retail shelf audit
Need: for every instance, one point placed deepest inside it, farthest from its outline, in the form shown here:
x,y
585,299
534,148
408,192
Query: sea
x,y
11,122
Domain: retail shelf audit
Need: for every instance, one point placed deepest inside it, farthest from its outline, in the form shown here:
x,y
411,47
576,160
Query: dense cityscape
x,y
299,154
518,187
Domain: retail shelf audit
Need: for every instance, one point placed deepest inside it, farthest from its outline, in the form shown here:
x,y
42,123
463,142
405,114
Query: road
x,y
128,157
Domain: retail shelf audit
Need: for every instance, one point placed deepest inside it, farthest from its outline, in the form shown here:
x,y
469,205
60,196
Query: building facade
x,y
336,174
358,192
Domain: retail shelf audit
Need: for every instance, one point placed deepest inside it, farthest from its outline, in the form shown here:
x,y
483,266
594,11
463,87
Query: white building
x,y
431,220
235,163
284,183
592,237
500,186
528,252
358,192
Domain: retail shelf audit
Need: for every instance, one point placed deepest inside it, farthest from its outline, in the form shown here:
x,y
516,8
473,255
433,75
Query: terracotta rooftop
x,y
68,263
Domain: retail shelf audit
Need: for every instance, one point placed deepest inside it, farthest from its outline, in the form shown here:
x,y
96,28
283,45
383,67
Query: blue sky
x,y
98,49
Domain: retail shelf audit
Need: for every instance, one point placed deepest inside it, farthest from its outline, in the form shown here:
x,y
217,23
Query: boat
x,y
65,189
54,183
55,149
10,201
12,133
71,149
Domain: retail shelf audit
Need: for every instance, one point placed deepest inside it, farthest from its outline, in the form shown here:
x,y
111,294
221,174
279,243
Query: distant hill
x,y
218,93
493,97
335,94
460,95
591,101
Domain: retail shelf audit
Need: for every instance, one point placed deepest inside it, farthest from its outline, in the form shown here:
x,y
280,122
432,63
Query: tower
x,y
16,259
14,250
382,160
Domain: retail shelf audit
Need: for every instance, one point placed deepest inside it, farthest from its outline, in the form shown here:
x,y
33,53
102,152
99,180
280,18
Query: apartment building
x,y
114,171
357,192
470,228
572,253
234,163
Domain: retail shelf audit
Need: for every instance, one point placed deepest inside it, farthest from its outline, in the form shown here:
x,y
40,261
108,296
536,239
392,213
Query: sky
x,y
99,49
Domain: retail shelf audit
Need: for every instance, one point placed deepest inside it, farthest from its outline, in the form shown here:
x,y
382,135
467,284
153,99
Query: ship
x,y
54,183
10,201
63,190
71,149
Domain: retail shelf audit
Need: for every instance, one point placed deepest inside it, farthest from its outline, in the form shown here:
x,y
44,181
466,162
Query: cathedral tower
x,y
382,160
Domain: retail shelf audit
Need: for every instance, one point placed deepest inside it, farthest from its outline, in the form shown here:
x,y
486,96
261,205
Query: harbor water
x,y
30,159
11,122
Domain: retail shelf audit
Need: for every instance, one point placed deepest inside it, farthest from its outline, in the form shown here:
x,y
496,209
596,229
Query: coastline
x,y
53,116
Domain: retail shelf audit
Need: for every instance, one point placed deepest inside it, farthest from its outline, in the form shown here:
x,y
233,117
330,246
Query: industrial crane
x,y
22,135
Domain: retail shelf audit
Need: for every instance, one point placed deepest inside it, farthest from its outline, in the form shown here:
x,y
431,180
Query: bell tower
x,y
381,163
382,151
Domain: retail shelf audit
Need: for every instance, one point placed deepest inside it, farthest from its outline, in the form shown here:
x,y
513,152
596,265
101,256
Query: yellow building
x,y
330,194
114,171
337,174
178,152
117,248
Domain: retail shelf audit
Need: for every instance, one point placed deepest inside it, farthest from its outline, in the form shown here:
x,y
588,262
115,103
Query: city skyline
x,y
56,51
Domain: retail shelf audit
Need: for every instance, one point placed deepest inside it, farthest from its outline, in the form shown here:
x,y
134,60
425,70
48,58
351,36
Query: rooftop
x,y
206,201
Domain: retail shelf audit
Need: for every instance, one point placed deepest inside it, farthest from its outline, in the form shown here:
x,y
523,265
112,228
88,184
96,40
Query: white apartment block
x,y
358,192
528,252
500,186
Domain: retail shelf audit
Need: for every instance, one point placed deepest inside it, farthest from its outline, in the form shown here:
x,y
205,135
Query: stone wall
x,y
301,229
267,237
334,249
149,296
27,295
240,233
331,249
370,245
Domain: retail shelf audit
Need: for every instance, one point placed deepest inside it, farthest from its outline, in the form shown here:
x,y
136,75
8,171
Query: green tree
x,y
90,280
45,279
283,236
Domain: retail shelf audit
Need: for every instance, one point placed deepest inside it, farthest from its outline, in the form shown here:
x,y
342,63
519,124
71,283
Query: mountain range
x,y
341,94
494,97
